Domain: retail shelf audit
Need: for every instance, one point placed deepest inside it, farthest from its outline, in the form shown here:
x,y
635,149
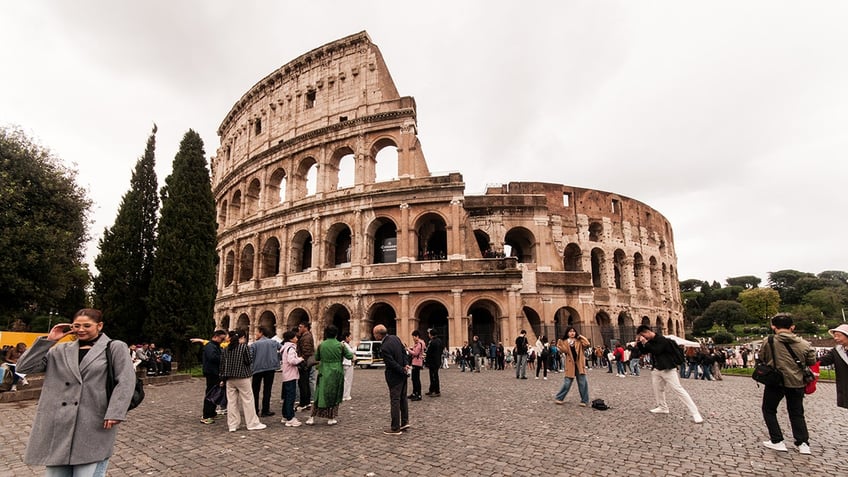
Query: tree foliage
x,y
43,229
784,282
760,303
126,254
746,281
182,291
726,313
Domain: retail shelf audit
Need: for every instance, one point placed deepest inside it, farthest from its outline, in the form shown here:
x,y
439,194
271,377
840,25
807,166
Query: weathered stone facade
x,y
413,251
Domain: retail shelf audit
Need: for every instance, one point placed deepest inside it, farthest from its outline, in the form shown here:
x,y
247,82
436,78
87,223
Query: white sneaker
x,y
698,418
804,448
780,446
332,422
310,421
257,427
545,378
659,410
292,423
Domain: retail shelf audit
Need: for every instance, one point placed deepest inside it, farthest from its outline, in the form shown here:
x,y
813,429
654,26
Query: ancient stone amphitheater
x,y
327,211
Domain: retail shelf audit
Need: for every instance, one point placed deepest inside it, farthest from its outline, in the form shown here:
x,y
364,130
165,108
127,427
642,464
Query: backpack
x,y
600,405
677,353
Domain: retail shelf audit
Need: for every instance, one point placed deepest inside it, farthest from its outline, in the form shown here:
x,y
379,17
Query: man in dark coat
x,y
211,366
397,369
433,361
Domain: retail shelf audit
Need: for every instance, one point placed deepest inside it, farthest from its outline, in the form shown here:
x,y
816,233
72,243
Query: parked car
x,y
368,354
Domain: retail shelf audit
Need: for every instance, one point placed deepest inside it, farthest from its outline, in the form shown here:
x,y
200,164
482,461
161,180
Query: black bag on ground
x,y
599,404
766,373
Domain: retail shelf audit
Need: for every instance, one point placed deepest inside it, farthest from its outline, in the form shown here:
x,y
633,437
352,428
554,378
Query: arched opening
x,y
225,323
432,238
301,251
484,322
484,244
626,330
596,231
639,271
338,316
384,241
605,329
386,158
646,321
380,314
433,314
339,245
345,162
229,268
222,214
246,263
270,260
535,323
251,198
670,325
243,323
307,178
655,274
573,258
522,244
597,268
234,213
268,321
659,326
277,187
618,266
296,317
565,317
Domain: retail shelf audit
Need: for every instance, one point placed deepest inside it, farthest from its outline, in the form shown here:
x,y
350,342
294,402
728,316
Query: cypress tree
x,y
125,261
182,292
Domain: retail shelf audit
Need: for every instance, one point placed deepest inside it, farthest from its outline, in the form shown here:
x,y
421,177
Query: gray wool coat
x,y
68,427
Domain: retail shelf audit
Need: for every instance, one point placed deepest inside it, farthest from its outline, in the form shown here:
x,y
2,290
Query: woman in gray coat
x,y
75,425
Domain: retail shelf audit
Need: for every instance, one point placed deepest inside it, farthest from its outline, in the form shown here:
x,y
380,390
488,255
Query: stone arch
x,y
535,322
639,275
618,267
654,273
432,235
234,214
434,314
572,258
596,231
386,164
276,187
380,313
243,323
646,320
522,244
484,243
339,245
484,315
229,268
268,320
603,324
341,170
659,325
222,214
306,178
270,260
246,263
598,272
337,315
563,318
670,325
382,240
301,251
225,323
626,329
251,197
297,316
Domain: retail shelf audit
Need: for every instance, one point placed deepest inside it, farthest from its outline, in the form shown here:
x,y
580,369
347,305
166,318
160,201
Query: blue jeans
x,y
705,372
634,366
521,366
619,366
693,370
289,395
94,469
582,387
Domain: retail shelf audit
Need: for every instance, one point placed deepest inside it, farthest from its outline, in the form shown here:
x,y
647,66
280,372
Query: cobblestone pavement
x,y
484,424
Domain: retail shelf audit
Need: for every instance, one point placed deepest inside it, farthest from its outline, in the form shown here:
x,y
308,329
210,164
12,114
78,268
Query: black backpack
x,y
677,353
599,404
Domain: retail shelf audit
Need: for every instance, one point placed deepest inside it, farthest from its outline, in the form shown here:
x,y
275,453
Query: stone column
x,y
459,327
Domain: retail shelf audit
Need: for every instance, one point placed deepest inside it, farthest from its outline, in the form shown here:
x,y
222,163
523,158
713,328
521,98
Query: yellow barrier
x,y
12,338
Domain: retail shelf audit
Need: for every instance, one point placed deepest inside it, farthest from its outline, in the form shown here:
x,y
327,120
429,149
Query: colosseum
x,y
327,211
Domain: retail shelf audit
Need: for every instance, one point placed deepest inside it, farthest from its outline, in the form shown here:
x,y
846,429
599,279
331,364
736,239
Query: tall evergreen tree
x,y
125,261
182,292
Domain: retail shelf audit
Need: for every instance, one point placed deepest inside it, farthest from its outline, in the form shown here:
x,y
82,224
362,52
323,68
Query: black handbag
x,y
767,374
138,392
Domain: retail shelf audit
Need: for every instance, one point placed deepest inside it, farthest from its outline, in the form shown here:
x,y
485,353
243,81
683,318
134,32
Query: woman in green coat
x,y
330,386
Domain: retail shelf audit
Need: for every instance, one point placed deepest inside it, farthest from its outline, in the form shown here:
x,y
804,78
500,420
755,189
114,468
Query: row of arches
x,y
308,176
622,272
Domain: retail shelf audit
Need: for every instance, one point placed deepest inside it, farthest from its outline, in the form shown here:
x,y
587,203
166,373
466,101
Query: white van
x,y
367,354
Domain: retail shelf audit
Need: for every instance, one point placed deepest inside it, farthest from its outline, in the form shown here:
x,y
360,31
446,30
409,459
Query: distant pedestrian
x,y
433,361
236,370
394,357
290,362
520,355
416,354
664,374
347,364
330,387
776,351
306,350
838,358
211,364
266,362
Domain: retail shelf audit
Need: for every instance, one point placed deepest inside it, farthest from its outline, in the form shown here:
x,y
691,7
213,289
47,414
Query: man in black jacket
x,y
211,371
433,361
665,371
397,369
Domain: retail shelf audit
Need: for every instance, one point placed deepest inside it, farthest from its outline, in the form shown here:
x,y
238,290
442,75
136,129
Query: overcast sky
x,y
729,118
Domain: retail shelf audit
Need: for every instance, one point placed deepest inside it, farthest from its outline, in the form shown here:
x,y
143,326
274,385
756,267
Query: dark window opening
x,y
257,127
310,99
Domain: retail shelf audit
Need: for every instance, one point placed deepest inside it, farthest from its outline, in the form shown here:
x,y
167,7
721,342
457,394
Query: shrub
x,y
723,337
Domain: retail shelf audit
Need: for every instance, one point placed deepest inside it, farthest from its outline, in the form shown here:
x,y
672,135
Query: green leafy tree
x,y
690,285
784,282
730,293
126,254
835,276
43,229
760,303
701,325
746,281
830,300
182,291
726,313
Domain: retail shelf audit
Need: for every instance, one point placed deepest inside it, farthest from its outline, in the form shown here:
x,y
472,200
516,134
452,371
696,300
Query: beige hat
x,y
843,328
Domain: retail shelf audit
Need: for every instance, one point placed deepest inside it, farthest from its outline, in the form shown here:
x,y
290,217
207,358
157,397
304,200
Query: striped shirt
x,y
236,362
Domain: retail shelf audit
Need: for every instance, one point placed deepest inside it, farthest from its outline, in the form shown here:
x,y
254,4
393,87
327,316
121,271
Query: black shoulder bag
x,y
768,374
138,392
808,373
